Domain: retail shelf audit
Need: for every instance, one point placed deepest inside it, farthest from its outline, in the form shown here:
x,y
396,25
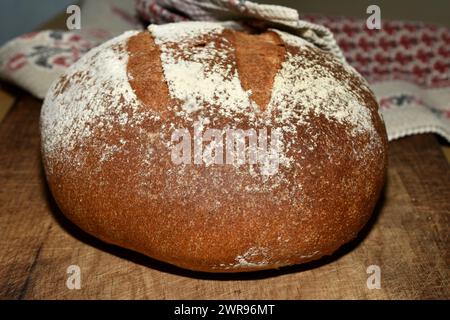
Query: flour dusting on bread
x,y
197,70
94,93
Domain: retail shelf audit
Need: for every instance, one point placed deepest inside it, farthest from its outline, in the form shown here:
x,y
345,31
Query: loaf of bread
x,y
214,148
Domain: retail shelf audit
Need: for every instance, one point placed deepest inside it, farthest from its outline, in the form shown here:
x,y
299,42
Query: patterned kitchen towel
x,y
408,67
407,64
33,61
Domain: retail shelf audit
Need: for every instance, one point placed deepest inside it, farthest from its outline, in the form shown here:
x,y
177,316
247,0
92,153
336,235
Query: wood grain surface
x,y
407,238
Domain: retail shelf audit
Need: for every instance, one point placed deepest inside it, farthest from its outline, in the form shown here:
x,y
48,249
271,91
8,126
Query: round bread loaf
x,y
213,148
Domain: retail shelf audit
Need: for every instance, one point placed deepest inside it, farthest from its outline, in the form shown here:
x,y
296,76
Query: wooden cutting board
x,y
407,238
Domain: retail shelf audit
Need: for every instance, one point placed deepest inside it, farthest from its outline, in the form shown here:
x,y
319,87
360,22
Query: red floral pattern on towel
x,y
410,51
58,48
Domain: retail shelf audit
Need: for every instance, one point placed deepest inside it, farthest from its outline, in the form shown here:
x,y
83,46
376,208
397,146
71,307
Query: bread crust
x,y
106,148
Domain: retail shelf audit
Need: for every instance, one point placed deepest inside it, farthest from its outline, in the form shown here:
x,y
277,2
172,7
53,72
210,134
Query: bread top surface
x,y
107,129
